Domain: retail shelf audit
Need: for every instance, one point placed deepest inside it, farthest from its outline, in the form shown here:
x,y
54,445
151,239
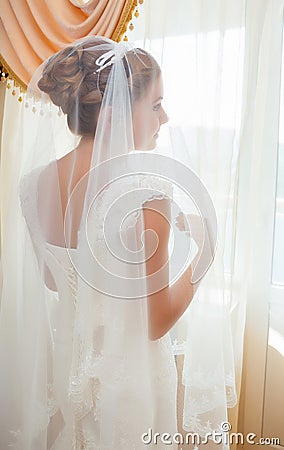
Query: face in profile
x,y
148,116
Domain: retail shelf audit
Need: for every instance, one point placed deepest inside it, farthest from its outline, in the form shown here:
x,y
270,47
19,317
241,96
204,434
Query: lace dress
x,y
140,408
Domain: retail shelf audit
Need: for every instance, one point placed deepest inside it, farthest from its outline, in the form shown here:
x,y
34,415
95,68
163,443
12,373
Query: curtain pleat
x,y
32,30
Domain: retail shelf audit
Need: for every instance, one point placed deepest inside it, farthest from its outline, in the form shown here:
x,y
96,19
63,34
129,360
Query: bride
x,y
95,366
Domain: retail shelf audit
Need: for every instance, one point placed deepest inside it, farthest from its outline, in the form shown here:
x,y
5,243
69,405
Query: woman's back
x,y
98,381
118,378
61,191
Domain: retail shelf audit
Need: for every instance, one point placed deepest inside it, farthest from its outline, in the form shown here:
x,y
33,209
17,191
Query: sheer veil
x,y
80,370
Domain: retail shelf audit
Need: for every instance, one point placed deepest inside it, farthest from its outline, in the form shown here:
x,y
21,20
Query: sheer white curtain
x,y
9,165
221,62
256,186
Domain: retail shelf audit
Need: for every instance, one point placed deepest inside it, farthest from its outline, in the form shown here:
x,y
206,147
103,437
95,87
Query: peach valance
x,y
32,30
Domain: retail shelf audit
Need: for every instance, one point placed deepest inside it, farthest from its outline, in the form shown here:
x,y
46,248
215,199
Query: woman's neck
x,y
86,144
84,152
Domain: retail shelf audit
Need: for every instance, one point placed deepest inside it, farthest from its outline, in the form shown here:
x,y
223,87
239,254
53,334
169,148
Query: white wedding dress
x,y
138,406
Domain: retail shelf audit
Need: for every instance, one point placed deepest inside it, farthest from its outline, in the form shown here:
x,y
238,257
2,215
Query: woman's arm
x,y
167,305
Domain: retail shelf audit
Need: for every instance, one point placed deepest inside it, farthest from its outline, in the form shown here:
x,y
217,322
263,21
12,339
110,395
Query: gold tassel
x,y
3,75
21,97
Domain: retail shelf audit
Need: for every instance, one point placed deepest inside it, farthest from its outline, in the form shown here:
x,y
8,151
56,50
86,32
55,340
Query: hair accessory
x,y
118,52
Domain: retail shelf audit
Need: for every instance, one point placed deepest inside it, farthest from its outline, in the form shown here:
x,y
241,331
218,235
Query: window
x,y
278,251
202,75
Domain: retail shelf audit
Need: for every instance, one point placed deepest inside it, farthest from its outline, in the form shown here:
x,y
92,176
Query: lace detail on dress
x,y
202,428
178,346
72,278
52,406
94,374
145,187
202,400
204,379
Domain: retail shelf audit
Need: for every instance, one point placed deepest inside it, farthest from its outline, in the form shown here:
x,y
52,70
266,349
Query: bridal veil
x,y
78,369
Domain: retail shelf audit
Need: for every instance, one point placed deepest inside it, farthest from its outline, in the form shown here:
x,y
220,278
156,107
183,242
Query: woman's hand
x,y
200,232
193,224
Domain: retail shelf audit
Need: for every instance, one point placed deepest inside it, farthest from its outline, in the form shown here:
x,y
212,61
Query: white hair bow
x,y
118,52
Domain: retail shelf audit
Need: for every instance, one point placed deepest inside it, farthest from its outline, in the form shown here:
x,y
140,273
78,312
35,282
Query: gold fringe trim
x,y
12,75
117,35
125,19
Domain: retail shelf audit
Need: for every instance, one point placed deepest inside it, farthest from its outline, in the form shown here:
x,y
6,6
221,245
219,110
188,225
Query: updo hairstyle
x,y
72,83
